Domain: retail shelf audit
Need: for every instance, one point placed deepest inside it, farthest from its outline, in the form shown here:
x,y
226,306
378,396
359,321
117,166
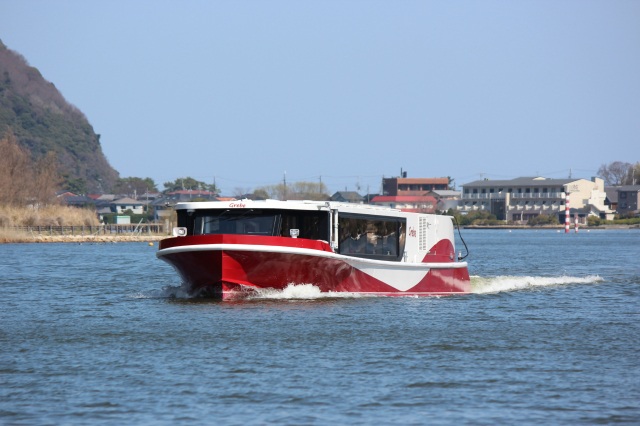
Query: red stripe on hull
x,y
225,273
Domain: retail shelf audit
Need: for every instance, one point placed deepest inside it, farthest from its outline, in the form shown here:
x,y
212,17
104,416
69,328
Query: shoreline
x,y
118,238
561,228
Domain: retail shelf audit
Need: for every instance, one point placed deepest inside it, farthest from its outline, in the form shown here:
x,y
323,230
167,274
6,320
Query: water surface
x,y
102,333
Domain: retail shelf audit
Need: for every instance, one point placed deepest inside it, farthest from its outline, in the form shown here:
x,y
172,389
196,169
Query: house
x,y
412,186
64,194
149,196
347,197
411,194
77,200
408,203
628,199
524,198
123,204
612,197
104,197
162,209
366,198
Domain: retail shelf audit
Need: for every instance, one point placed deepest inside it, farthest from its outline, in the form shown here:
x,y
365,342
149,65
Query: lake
x,y
103,334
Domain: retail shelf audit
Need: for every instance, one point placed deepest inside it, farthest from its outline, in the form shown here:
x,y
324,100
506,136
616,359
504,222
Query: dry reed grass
x,y
50,215
15,236
56,215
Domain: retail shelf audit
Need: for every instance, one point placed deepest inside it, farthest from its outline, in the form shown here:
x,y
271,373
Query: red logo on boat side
x,y
239,205
412,232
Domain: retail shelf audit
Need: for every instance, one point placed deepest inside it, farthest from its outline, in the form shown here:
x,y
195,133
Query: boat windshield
x,y
266,222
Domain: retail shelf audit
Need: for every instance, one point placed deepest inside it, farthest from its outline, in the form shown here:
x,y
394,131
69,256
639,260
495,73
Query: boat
x,y
231,249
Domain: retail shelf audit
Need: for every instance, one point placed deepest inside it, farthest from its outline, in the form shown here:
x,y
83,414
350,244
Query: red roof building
x,y
413,186
407,203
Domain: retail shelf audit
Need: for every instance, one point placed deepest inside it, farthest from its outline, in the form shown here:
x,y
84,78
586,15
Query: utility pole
x,y
284,180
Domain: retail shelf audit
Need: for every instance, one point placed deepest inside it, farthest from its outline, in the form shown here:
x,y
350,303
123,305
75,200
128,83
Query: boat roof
x,y
293,205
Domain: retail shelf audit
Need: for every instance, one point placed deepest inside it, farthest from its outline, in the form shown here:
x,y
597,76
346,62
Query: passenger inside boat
x,y
370,236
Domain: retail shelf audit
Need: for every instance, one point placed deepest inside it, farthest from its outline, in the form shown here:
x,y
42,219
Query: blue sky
x,y
344,91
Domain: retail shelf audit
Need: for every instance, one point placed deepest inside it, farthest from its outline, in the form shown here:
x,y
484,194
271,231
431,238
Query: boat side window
x,y
266,222
313,225
371,236
234,221
184,219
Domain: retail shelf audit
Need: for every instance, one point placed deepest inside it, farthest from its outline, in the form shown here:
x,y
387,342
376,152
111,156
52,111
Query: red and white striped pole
x,y
567,219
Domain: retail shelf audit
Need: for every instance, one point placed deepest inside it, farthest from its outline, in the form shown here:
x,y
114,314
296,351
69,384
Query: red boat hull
x,y
226,266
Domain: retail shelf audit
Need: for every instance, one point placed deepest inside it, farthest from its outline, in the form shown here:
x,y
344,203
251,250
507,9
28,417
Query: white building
x,y
524,198
123,204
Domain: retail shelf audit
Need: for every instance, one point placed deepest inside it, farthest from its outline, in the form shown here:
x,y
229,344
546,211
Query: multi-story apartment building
x,y
628,197
524,198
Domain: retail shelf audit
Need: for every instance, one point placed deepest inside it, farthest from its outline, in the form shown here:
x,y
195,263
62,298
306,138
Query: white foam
x,y
298,292
482,285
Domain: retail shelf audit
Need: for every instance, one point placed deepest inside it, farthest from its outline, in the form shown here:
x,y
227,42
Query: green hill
x,y
43,121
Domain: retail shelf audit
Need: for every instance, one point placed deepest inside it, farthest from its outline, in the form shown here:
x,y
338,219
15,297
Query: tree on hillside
x,y
24,181
75,185
134,186
617,173
42,121
189,183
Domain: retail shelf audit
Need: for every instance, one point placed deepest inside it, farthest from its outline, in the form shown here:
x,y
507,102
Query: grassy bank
x,y
56,215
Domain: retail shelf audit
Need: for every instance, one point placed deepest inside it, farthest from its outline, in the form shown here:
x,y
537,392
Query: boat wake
x,y
479,285
484,285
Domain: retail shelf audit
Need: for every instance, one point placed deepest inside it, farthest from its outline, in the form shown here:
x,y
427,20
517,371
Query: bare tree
x,y
240,191
296,191
45,179
14,161
634,178
22,180
616,173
